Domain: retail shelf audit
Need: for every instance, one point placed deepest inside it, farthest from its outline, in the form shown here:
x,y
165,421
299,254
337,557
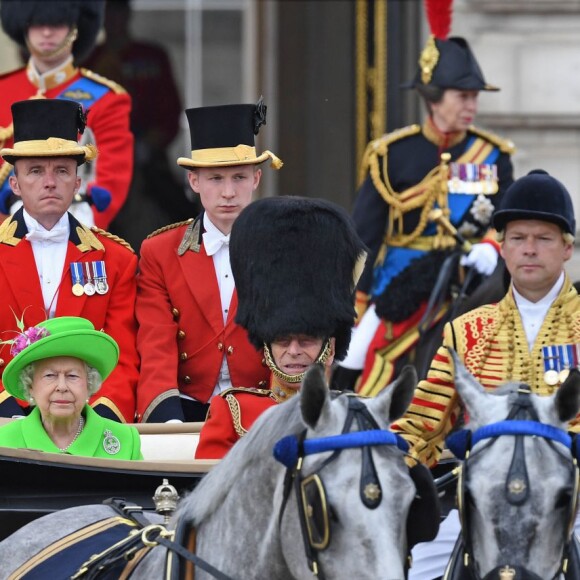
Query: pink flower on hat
x,y
26,338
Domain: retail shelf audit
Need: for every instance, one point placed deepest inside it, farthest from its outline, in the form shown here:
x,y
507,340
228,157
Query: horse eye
x,y
564,499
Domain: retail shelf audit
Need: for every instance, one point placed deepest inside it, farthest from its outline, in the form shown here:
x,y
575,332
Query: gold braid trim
x,y
115,87
236,415
504,145
169,227
113,237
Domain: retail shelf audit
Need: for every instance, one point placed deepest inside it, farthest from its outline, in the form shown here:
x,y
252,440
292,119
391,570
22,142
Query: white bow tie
x,y
55,236
214,243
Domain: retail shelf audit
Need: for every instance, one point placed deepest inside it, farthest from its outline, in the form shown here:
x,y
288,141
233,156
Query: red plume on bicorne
x,y
439,17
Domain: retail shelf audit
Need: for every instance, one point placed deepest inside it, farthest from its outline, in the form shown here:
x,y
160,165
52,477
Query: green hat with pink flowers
x,y
69,336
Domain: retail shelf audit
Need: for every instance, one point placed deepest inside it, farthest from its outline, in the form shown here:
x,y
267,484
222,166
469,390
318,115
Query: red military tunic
x,y
112,312
182,338
491,342
110,108
231,415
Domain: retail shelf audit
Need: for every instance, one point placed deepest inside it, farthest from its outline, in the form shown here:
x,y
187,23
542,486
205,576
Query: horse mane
x,y
256,446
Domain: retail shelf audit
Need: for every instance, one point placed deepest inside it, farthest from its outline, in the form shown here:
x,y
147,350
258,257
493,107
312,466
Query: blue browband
x,y
459,443
287,451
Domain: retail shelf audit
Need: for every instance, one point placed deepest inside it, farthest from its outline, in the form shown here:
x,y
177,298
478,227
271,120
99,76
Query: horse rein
x,y
517,481
313,507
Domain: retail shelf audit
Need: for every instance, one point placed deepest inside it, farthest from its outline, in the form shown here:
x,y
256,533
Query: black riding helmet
x,y
536,196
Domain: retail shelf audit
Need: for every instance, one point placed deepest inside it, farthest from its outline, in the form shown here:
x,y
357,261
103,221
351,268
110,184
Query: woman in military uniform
x,y
447,165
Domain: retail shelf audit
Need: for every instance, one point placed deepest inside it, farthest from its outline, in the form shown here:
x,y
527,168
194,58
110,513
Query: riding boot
x,y
344,379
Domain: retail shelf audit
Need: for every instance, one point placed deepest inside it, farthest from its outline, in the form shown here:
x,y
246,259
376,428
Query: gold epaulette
x,y
379,146
115,87
250,390
505,145
113,237
169,227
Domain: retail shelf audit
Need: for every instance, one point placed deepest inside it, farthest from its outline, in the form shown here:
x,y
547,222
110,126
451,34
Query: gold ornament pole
x,y
370,73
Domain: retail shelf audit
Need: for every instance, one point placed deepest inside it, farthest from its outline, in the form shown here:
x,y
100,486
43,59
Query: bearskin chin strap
x,y
320,359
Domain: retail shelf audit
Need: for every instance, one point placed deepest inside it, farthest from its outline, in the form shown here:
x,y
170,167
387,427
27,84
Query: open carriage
x,y
36,483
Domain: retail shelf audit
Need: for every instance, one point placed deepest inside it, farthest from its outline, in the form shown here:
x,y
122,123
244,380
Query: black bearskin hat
x,y
296,262
87,15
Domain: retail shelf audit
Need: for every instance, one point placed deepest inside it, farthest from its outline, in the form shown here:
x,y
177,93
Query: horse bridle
x,y
313,507
311,496
522,421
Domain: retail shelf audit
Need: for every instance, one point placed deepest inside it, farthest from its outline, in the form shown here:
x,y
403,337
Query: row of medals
x,y
101,287
554,377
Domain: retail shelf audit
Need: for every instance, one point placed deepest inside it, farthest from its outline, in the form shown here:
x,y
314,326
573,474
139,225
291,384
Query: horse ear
x,y
313,395
567,400
393,400
470,391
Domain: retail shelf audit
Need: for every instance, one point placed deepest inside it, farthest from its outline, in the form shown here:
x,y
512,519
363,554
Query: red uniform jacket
x,y
229,418
112,312
108,119
182,338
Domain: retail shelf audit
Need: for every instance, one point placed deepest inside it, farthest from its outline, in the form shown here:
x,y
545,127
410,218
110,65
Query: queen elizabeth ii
x,y
57,366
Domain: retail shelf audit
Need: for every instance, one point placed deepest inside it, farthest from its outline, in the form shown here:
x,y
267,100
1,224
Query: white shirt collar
x,y
33,226
213,239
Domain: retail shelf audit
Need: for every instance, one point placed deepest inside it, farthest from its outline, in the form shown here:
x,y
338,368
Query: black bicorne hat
x,y
87,15
449,64
296,262
48,128
536,196
223,136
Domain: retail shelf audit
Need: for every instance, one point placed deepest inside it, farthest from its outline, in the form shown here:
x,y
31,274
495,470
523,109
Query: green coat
x,y
94,441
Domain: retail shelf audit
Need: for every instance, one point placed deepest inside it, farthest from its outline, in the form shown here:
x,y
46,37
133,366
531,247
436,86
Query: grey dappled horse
x,y
246,528
518,491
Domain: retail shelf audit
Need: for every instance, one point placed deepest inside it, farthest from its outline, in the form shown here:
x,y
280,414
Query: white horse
x,y
519,483
335,501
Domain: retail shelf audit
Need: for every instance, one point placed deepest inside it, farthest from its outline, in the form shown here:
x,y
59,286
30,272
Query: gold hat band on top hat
x,y
224,156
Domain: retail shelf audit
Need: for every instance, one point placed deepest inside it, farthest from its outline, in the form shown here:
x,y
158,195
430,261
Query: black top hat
x,y
296,262
536,196
86,15
48,128
223,136
449,64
